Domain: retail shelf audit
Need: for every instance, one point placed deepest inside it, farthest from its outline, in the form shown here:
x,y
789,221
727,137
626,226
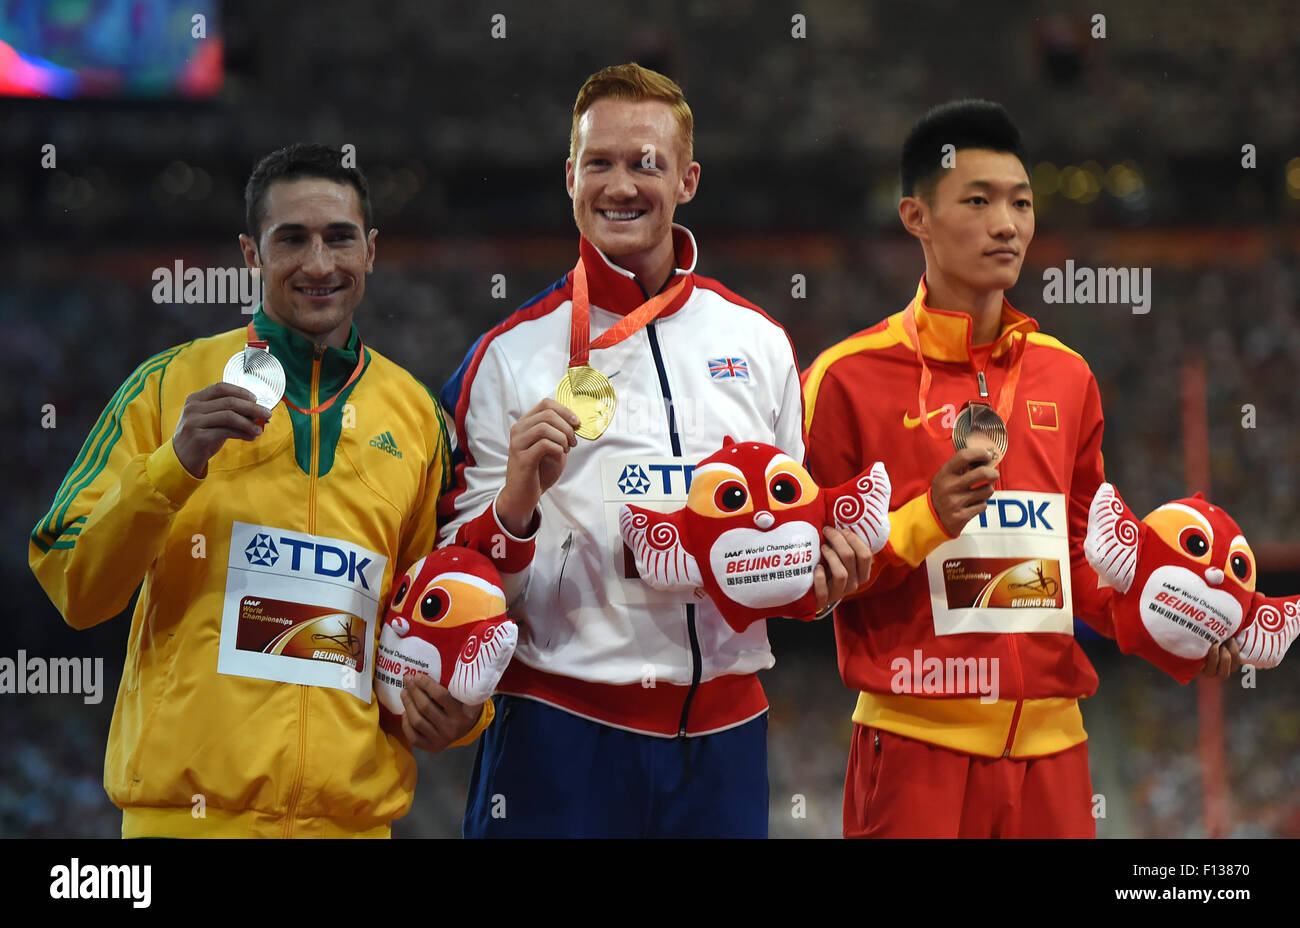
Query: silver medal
x,y
978,426
258,372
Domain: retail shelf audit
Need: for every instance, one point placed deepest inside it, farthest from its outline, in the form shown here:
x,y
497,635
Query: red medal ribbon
x,y
580,343
255,342
1006,396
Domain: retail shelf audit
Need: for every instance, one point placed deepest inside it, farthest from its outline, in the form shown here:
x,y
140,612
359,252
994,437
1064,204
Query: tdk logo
x,y
633,481
653,478
261,551
321,559
1014,513
665,473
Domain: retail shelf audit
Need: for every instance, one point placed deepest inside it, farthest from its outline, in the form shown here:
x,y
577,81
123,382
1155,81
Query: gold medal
x,y
978,426
584,389
588,393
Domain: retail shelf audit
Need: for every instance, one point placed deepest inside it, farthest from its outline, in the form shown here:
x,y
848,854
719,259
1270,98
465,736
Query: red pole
x,y
1209,693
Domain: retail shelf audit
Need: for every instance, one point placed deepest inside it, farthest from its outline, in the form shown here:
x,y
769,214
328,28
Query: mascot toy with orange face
x,y
1184,579
447,620
751,532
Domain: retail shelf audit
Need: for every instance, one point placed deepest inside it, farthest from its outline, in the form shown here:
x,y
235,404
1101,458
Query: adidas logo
x,y
384,442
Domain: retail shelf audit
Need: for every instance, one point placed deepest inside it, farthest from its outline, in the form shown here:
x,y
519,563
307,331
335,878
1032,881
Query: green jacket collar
x,y
297,353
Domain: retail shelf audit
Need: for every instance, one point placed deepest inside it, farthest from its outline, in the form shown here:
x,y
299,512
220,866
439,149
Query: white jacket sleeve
x,y
469,510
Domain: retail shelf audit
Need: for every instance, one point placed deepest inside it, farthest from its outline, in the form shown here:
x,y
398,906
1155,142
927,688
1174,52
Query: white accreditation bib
x,y
1008,571
300,609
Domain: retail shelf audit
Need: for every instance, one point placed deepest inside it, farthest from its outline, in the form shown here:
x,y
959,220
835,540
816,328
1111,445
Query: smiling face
x,y
626,178
977,223
314,254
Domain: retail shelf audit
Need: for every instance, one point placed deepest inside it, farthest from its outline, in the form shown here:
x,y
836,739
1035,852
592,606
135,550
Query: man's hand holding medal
x,y
210,417
962,486
539,442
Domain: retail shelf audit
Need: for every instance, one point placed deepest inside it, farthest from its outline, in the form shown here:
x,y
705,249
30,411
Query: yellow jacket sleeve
x,y
420,531
484,720
111,515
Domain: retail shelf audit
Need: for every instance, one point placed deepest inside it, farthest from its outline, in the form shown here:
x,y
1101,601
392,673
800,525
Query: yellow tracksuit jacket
x,y
195,752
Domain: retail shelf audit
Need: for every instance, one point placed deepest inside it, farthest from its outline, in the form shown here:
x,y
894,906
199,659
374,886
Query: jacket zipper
x,y
304,690
697,661
984,392
1011,639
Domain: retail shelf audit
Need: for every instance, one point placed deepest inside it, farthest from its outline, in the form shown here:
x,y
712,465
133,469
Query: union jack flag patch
x,y
728,369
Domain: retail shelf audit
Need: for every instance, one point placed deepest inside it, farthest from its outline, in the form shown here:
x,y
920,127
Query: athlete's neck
x,y
334,338
983,306
652,267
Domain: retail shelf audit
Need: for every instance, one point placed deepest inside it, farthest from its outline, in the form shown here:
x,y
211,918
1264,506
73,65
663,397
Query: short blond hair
x,y
632,82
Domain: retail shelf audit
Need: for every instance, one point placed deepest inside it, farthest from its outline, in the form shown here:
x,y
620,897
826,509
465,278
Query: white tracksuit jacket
x,y
595,640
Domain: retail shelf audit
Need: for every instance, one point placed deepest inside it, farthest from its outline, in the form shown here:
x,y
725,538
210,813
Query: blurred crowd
x,y
462,131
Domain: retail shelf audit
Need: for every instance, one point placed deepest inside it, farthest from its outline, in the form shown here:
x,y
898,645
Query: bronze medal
x,y
978,426
588,393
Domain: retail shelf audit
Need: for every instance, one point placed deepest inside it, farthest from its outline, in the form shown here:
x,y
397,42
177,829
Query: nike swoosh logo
x,y
912,422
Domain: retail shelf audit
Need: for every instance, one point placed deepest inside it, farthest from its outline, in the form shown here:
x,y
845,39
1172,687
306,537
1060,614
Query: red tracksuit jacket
x,y
967,642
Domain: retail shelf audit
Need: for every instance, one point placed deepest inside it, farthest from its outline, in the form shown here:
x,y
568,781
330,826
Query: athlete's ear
x,y
370,250
690,183
249,248
915,214
568,176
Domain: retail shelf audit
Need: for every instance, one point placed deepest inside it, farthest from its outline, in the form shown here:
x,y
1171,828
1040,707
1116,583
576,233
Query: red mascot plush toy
x,y
1184,579
447,620
751,532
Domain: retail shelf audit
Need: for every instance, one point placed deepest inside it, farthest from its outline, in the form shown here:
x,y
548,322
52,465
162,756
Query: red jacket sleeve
x,y
1090,603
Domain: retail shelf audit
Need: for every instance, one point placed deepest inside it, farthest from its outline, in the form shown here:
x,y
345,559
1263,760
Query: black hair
x,y
301,159
961,124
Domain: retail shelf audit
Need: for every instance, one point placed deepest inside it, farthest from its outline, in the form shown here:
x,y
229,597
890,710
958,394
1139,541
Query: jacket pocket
x,y
150,664
877,766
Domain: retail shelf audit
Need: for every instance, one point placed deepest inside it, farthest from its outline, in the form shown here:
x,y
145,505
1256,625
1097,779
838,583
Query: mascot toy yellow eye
x,y
751,532
447,620
1184,579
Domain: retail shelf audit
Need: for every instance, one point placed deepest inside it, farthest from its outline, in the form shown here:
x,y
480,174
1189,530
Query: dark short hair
x,y
962,124
299,160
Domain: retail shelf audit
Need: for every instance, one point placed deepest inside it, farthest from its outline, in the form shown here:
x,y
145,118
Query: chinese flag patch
x,y
1042,415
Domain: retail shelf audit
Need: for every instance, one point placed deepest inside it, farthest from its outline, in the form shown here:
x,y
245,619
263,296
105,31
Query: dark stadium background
x,y
1136,149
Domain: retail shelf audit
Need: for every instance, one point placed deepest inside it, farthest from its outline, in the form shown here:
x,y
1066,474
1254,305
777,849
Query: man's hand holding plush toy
x,y
1184,580
443,647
